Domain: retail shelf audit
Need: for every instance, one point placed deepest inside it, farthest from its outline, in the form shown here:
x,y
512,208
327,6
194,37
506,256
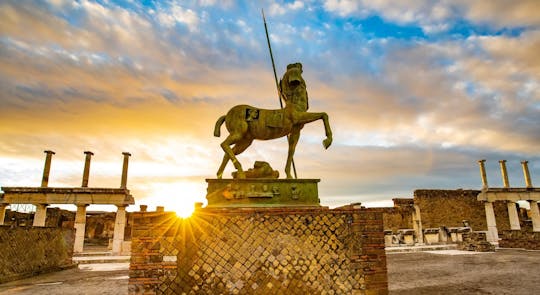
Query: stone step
x,y
101,259
93,253
420,248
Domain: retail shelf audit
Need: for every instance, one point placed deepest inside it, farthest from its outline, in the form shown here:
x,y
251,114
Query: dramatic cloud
x,y
417,91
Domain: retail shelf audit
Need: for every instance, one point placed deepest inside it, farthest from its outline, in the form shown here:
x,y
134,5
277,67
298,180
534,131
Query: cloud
x,y
406,113
440,16
173,14
277,9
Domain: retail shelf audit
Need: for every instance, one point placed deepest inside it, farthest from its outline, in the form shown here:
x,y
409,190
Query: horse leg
x,y
293,140
238,148
233,138
222,166
302,118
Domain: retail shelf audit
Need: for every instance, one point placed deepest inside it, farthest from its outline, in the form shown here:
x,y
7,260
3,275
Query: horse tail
x,y
217,129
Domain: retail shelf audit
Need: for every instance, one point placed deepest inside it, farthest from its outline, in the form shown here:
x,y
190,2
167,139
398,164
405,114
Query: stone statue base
x,y
262,192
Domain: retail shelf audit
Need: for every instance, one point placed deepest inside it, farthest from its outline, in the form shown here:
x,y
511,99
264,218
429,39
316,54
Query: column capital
x,y
126,154
88,153
49,152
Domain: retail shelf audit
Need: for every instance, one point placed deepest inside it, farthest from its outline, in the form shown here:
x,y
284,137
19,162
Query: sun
x,y
185,211
179,197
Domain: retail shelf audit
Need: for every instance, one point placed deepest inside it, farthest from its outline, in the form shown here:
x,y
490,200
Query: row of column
x,y
86,172
513,217
119,229
504,174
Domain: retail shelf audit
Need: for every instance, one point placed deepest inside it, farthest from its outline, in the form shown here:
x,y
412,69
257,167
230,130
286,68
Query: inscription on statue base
x,y
262,192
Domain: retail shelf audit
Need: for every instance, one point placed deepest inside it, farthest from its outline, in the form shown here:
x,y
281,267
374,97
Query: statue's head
x,y
295,65
294,72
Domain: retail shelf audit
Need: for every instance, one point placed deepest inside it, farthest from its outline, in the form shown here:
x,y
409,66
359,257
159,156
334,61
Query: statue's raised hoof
x,y
327,142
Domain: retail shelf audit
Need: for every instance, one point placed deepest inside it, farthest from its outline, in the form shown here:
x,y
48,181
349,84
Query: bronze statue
x,y
246,123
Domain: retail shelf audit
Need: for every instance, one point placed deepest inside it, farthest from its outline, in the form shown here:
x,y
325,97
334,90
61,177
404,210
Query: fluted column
x,y
80,226
526,175
504,174
123,184
86,172
47,168
483,175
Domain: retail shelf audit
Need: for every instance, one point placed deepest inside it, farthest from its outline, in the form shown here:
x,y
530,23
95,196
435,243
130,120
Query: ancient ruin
x,y
82,196
473,219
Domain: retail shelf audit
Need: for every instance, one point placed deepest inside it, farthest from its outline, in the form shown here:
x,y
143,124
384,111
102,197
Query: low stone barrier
x,y
520,239
27,251
475,241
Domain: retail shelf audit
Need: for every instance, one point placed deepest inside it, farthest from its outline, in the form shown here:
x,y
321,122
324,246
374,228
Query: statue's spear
x,y
275,78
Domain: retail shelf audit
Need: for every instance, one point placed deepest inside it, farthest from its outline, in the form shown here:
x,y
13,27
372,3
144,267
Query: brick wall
x,y
27,251
259,251
450,207
399,216
519,239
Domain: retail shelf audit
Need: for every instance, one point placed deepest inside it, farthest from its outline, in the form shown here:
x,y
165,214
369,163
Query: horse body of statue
x,y
246,123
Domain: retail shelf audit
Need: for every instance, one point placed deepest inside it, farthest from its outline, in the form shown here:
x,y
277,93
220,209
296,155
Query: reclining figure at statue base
x,y
260,169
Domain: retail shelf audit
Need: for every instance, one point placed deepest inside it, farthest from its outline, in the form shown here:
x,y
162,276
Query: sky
x,y
417,91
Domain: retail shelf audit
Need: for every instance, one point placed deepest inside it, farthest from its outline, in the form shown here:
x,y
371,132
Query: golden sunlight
x,y
179,197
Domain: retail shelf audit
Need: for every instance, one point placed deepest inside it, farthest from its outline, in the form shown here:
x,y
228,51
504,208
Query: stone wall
x,y
99,225
519,239
259,251
399,216
450,207
27,251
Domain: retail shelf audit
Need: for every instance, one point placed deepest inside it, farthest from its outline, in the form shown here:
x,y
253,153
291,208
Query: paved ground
x,y
504,272
438,272
88,279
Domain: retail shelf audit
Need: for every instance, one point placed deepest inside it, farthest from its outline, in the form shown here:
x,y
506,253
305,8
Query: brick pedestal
x,y
259,251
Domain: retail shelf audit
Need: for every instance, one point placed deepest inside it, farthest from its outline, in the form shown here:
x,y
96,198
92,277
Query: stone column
x,y
535,215
526,174
504,174
86,172
80,225
41,215
123,184
119,227
493,234
483,173
417,225
3,213
513,215
47,168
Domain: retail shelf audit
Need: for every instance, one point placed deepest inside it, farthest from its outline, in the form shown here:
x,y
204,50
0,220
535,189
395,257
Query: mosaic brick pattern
x,y
27,251
259,251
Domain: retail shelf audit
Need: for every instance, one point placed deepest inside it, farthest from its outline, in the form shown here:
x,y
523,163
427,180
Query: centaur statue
x,y
246,123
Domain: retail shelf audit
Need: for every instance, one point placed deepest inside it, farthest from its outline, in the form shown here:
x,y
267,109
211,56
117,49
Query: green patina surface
x,y
262,192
